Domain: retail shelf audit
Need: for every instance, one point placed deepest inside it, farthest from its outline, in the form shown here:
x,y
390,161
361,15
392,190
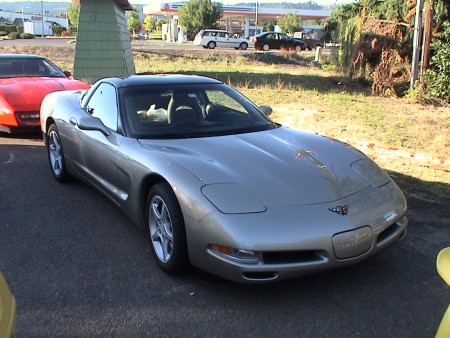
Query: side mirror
x,y
93,123
267,110
67,73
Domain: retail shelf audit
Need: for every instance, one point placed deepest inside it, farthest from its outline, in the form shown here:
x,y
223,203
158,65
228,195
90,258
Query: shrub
x,y
8,28
438,77
3,33
57,30
26,36
14,35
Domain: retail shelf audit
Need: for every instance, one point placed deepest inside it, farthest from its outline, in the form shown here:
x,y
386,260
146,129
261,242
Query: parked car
x,y
216,183
311,43
24,81
7,310
273,40
212,38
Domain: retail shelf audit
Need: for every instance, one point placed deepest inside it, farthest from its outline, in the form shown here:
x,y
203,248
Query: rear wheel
x,y
166,229
56,155
265,47
298,49
211,45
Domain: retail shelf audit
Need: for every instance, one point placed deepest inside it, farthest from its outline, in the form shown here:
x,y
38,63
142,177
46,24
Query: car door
x,y
273,41
285,41
97,150
230,41
221,39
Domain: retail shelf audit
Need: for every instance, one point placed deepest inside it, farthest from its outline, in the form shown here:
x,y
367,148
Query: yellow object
x,y
7,310
443,268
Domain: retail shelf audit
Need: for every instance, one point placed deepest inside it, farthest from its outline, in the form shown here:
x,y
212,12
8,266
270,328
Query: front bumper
x,y
298,240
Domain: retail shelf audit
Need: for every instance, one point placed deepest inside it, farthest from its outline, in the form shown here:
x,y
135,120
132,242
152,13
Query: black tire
x,y
56,155
211,45
166,229
243,46
265,47
298,49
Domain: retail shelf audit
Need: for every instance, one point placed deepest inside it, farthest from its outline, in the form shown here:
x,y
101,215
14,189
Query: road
x,y
79,268
135,44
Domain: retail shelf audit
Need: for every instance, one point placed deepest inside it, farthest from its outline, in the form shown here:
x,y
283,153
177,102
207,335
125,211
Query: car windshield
x,y
28,67
189,111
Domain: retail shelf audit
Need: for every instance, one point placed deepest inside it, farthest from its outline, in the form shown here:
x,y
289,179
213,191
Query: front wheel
x,y
56,155
166,229
243,46
298,49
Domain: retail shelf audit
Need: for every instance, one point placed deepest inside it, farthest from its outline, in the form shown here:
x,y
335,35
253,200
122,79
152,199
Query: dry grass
x,y
407,138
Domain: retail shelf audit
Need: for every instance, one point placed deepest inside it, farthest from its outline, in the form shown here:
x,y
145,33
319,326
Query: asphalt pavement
x,y
79,268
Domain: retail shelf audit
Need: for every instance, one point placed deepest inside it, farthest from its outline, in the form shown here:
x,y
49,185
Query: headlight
x,y
371,172
232,198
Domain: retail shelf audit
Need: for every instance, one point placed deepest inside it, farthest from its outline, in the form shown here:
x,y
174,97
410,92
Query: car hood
x,y
281,167
27,93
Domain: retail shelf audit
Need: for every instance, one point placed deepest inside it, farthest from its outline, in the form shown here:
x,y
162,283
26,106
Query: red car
x,y
24,82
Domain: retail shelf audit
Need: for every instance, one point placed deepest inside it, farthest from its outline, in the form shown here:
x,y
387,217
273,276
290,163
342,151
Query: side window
x,y
103,105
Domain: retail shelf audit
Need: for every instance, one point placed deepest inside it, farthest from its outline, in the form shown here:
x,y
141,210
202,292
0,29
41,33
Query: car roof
x,y
161,79
216,30
20,56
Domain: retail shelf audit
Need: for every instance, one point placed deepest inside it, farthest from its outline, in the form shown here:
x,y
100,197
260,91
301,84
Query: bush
x,y
26,36
73,30
14,35
3,33
8,28
58,30
438,77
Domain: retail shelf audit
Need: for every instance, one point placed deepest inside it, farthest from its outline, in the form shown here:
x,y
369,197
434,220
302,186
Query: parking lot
x,y
78,267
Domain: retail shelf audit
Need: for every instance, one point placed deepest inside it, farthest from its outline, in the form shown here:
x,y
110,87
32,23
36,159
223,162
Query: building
x,y
18,18
239,19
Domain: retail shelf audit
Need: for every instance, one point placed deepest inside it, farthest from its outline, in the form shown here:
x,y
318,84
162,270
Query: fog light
x,y
240,255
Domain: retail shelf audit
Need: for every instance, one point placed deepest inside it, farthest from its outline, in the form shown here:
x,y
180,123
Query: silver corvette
x,y
216,184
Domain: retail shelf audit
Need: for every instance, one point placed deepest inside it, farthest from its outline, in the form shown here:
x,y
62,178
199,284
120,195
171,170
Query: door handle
x,y
73,121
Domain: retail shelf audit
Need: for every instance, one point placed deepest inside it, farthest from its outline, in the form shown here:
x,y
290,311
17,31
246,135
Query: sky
x,y
261,2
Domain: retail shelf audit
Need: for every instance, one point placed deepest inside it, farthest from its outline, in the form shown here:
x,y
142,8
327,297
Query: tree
x,y
438,77
133,21
159,23
73,12
289,23
268,26
198,14
148,23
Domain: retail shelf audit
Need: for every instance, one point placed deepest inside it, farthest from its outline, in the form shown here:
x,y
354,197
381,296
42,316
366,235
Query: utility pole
x,y
416,43
42,13
426,42
256,18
